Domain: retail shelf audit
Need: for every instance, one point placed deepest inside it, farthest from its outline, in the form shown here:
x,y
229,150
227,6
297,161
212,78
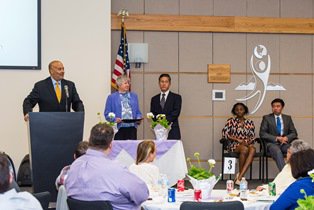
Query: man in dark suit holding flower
x,y
167,103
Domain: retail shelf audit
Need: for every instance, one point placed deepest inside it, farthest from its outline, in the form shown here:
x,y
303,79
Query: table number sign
x,y
229,165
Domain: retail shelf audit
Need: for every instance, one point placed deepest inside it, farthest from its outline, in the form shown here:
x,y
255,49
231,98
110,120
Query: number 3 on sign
x,y
229,165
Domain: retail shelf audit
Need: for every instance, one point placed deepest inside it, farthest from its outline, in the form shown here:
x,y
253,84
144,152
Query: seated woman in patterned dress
x,y
240,134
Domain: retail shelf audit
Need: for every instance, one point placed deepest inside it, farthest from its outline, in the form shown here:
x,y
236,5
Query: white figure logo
x,y
260,64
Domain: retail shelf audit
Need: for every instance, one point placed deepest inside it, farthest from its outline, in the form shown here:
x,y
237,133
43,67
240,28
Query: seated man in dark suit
x,y
278,131
167,103
53,94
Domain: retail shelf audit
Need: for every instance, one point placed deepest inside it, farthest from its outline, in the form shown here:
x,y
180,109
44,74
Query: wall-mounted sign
x,y
218,73
260,64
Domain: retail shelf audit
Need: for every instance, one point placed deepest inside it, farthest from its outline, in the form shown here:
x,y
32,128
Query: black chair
x,y
234,205
259,154
266,156
88,205
43,198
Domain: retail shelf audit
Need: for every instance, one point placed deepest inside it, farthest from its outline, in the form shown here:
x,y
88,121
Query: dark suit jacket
x,y
44,94
268,130
172,111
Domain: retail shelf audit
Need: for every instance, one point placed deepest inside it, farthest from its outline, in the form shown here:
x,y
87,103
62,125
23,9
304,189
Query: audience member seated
x,y
284,178
239,131
144,168
94,176
278,131
10,199
79,151
301,163
13,184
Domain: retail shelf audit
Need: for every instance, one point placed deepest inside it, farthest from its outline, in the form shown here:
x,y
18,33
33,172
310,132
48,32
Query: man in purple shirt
x,y
95,177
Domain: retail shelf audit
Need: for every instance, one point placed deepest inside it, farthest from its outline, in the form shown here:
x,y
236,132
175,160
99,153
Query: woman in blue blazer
x,y
124,104
301,163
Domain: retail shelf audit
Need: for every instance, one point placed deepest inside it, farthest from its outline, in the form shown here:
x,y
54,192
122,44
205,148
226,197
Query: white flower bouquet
x,y
160,125
202,179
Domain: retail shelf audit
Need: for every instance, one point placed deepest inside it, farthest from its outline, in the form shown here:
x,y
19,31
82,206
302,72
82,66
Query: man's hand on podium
x,y
26,117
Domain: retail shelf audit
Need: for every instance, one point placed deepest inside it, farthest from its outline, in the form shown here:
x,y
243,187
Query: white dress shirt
x,y
12,200
54,82
166,94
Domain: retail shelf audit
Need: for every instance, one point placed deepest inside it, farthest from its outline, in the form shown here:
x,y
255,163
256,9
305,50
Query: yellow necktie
x,y
58,92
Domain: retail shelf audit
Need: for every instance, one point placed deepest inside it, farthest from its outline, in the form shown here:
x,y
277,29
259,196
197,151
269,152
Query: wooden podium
x,y
53,137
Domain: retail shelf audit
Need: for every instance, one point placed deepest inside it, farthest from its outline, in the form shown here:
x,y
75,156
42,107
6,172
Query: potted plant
x,y
202,179
160,125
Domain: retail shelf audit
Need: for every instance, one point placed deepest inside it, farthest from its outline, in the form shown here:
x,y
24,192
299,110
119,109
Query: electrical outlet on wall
x,y
219,95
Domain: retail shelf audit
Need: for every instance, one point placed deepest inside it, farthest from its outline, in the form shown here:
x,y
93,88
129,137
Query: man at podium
x,y
53,94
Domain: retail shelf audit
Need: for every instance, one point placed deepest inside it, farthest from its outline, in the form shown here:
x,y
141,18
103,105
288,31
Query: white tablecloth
x,y
172,162
158,204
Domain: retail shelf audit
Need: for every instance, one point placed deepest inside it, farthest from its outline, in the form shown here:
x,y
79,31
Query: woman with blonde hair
x,y
144,167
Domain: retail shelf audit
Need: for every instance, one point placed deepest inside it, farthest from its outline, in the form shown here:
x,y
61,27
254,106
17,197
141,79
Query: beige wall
x,y
78,33
186,55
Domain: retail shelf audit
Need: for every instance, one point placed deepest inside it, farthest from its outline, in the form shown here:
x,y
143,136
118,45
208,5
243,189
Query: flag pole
x,y
123,13
121,66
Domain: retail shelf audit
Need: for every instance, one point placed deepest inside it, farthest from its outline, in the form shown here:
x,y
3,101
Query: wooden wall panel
x,y
174,23
231,24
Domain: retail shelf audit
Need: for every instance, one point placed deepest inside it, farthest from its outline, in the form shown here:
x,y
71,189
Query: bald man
x,y
53,94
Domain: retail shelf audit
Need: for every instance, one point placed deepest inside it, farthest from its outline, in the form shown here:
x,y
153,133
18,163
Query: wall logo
x,y
260,65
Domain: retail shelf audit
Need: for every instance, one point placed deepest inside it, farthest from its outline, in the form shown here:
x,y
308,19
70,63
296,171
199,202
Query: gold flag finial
x,y
123,13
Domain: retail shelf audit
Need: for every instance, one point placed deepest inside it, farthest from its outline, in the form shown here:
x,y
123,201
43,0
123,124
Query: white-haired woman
x,y
124,105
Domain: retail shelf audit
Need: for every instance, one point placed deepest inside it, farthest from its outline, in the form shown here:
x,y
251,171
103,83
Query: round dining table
x,y
255,201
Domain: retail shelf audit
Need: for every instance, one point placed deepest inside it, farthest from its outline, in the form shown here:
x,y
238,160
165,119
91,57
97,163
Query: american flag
x,y
122,65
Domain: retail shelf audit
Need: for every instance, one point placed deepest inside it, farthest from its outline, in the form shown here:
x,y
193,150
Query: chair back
x,y
234,205
88,205
43,198
61,203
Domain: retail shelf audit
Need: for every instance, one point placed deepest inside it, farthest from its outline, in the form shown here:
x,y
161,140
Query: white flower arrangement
x,y
212,162
160,119
111,122
150,115
111,115
160,116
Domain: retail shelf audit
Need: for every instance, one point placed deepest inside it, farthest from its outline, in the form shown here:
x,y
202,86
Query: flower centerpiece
x,y
308,201
202,179
160,125
111,121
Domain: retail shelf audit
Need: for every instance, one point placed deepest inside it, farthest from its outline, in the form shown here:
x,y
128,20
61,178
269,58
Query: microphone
x,y
66,89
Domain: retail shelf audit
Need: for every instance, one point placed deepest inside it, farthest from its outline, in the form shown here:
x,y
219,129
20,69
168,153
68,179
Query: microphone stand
x,y
66,104
66,89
